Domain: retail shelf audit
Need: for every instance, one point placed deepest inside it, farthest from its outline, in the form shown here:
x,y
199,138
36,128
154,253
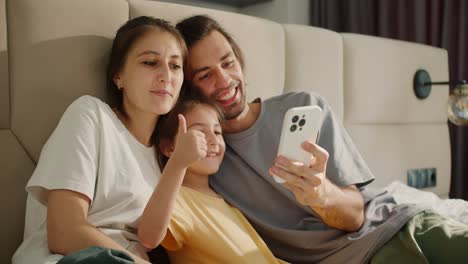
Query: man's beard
x,y
239,109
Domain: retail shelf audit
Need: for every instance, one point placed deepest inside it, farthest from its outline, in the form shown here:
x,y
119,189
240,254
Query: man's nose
x,y
222,79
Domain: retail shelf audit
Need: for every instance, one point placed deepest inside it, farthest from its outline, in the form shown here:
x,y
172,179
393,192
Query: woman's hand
x,y
190,146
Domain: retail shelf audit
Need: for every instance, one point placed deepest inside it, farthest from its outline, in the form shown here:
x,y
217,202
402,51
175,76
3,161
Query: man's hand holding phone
x,y
300,165
307,181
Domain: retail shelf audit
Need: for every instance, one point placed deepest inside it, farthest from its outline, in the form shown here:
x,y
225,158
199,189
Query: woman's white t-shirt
x,y
91,152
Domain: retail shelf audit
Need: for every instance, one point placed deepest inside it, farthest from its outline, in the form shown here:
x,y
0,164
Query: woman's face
x,y
152,75
205,119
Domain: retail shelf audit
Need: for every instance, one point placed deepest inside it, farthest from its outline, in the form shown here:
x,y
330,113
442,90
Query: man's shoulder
x,y
292,99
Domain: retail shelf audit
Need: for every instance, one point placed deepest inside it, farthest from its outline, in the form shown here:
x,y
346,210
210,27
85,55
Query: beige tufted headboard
x,y
52,51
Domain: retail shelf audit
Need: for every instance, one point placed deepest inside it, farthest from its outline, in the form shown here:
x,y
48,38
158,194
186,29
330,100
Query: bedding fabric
x,y
452,208
427,238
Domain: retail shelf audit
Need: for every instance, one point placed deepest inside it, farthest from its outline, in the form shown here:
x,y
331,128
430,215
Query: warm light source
x,y
458,100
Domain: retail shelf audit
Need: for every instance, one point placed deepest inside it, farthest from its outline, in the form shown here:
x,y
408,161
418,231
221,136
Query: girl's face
x,y
152,75
205,119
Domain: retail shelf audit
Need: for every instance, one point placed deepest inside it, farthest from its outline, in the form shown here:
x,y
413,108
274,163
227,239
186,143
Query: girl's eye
x,y
176,66
218,133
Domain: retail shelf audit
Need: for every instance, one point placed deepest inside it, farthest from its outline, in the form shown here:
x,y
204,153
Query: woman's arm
x,y
68,229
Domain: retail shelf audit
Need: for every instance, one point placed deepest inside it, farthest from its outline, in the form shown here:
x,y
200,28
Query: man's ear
x,y
167,147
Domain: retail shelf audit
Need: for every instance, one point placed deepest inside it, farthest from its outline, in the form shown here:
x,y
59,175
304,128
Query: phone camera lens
x,y
302,122
293,128
295,118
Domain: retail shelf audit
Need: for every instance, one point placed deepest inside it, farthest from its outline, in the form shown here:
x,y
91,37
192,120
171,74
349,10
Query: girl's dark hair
x,y
127,35
196,28
168,125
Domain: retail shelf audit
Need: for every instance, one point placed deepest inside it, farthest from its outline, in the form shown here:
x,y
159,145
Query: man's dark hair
x,y
196,28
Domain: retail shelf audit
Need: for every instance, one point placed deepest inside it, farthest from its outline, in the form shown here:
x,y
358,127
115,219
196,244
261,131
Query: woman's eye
x,y
218,133
150,63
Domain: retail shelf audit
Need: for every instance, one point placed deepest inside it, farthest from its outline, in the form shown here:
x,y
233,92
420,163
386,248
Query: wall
x,y
281,11
205,4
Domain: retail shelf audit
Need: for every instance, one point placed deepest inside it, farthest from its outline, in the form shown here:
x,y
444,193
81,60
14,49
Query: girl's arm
x,y
190,147
154,222
68,229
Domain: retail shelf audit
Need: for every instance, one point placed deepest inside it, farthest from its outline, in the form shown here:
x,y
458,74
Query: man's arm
x,y
338,207
68,229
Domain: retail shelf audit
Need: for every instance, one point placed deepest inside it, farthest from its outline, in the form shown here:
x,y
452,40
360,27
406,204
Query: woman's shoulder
x,y
85,111
87,106
88,102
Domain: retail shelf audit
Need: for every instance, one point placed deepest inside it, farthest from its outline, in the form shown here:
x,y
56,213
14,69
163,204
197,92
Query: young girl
x,y
203,228
98,168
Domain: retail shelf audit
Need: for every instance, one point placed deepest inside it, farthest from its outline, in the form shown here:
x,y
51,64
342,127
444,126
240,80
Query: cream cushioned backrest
x,y
4,90
59,51
16,169
393,129
261,41
16,166
314,62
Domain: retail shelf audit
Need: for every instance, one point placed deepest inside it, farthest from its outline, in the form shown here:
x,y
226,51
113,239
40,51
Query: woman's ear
x,y
166,147
117,81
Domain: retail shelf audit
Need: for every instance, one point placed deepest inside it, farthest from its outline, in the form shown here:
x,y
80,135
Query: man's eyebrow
x,y
229,53
195,72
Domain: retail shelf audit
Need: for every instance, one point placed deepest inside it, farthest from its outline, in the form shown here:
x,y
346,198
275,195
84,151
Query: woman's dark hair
x,y
127,35
168,125
196,28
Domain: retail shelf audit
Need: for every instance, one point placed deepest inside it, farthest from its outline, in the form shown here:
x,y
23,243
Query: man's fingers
x,y
291,187
294,179
297,168
320,154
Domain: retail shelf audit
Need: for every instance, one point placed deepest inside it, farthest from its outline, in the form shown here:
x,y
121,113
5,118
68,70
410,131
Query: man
x,y
324,212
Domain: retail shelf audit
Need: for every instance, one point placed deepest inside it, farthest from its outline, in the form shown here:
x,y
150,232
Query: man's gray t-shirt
x,y
292,231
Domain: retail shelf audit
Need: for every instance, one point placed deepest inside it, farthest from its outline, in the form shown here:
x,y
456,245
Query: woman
x,y
98,169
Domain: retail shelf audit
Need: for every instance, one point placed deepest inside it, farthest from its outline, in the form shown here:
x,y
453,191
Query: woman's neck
x,y
140,124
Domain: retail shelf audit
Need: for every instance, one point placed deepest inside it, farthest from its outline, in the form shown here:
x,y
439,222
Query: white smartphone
x,y
300,124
